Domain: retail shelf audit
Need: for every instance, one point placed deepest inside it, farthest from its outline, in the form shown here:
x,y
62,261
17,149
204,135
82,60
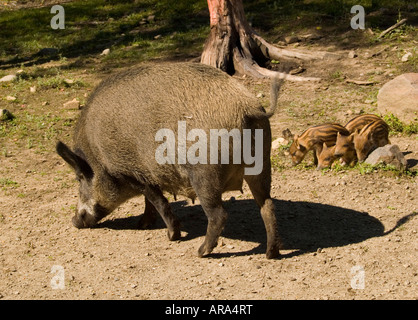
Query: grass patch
x,y
397,125
29,130
91,26
7,183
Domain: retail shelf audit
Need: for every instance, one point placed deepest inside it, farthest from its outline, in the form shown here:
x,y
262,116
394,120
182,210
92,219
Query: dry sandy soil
x,y
332,222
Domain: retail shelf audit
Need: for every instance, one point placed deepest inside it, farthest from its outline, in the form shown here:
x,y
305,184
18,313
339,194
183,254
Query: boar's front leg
x,y
160,203
149,217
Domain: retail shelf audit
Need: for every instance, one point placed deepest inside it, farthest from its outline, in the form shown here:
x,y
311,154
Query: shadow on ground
x,y
303,226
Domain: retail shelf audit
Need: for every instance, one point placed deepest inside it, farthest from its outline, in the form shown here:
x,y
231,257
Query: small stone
x,y
68,81
389,155
10,77
72,104
32,89
352,54
105,52
279,142
406,57
291,39
10,98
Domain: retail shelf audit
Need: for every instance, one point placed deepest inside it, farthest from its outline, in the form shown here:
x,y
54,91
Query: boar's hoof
x,y
204,249
273,252
146,221
173,235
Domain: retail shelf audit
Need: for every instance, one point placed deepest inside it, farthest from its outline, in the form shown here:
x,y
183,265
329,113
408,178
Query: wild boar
x,y
313,139
344,149
360,121
133,115
372,136
326,157
344,146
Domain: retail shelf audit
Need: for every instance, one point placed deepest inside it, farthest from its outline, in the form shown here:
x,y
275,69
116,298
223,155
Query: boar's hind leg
x,y
160,203
217,216
260,188
210,198
149,216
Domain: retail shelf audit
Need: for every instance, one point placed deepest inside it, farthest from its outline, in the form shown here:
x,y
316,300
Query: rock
x,y
389,154
72,104
352,54
310,37
406,57
10,98
6,115
278,142
105,52
10,77
291,39
400,97
33,89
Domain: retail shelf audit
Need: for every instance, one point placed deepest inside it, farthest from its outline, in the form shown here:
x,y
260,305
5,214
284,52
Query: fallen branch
x,y
360,82
249,67
392,28
275,53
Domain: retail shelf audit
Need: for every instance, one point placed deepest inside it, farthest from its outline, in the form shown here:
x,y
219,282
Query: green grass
x,y
8,183
397,125
91,26
29,130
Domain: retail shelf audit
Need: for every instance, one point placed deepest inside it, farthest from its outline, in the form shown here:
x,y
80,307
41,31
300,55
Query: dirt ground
x,y
346,234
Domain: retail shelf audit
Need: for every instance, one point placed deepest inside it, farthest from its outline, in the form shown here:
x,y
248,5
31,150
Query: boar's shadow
x,y
303,226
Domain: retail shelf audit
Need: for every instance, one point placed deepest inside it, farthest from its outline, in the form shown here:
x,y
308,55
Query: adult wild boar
x,y
115,144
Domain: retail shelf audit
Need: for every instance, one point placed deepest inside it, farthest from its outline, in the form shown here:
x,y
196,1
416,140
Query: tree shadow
x,y
100,28
92,26
303,226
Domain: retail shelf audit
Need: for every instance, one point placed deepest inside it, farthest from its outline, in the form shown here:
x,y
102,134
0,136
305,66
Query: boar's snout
x,y
83,220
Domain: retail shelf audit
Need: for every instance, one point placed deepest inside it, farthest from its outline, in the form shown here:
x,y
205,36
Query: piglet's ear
x,y
80,166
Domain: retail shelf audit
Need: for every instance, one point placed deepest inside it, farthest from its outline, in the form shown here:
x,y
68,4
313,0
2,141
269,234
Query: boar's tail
x,y
276,84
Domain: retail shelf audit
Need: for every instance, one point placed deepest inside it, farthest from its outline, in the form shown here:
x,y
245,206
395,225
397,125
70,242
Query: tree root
x,y
233,46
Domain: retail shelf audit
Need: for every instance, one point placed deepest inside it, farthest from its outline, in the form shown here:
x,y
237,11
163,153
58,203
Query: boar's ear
x,y
324,146
295,140
80,166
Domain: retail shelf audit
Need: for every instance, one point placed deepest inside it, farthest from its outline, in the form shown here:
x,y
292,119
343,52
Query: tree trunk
x,y
233,46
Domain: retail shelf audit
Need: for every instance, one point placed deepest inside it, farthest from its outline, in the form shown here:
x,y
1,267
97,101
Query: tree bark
x,y
233,46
